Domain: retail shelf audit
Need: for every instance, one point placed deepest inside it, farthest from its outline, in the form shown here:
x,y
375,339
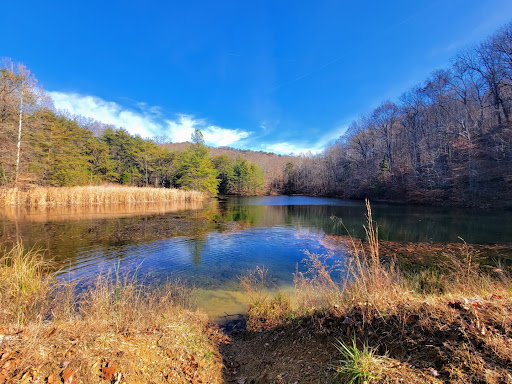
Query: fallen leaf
x,y
69,376
27,376
52,379
108,371
10,365
118,377
5,355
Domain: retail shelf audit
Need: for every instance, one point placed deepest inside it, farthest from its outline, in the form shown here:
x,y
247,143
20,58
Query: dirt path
x,y
282,355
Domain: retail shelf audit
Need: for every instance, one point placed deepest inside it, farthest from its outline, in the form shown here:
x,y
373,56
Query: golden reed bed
x,y
93,195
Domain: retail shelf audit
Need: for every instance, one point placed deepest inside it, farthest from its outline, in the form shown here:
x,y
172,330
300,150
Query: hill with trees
x,y
272,165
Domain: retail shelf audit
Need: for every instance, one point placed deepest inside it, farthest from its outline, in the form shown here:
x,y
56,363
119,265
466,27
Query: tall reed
x,y
94,195
375,285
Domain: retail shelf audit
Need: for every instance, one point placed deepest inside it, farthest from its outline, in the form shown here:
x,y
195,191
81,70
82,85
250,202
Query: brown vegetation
x,y
65,212
461,333
445,141
115,331
432,327
94,195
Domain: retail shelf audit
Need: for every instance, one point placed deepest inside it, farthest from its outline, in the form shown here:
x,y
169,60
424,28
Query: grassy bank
x,y
362,321
452,324
117,331
93,195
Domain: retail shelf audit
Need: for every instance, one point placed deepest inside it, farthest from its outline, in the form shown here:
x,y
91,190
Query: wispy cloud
x,y
142,122
146,120
307,148
149,121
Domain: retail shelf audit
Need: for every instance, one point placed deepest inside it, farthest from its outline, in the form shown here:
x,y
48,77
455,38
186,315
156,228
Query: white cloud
x,y
139,123
181,130
292,149
147,121
287,148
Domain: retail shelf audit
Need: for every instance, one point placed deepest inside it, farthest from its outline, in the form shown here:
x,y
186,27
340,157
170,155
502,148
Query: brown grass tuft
x,y
267,308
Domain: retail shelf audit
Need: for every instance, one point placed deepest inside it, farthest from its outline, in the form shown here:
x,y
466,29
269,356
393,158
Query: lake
x,y
209,245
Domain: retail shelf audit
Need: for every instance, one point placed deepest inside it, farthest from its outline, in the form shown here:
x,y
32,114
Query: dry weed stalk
x,y
451,323
266,308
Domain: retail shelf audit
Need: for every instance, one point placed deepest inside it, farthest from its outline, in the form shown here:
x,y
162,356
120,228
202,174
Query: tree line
x,y
41,147
448,139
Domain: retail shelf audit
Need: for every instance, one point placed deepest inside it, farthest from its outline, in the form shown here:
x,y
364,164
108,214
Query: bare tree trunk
x,y
19,143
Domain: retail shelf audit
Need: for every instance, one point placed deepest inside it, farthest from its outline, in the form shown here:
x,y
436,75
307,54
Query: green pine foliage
x,y
247,178
239,176
59,155
196,170
224,168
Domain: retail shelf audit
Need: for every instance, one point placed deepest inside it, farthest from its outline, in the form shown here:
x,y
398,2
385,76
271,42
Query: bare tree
x,y
18,93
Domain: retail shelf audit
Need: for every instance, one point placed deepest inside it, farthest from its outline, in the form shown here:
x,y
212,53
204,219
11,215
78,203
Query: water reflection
x,y
67,213
209,245
396,222
67,233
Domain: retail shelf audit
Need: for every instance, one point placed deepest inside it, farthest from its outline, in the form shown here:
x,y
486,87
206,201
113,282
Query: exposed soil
x,y
464,344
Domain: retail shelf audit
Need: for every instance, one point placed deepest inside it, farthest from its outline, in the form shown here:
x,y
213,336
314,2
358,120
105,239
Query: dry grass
x,y
26,287
115,331
452,324
267,308
93,195
367,281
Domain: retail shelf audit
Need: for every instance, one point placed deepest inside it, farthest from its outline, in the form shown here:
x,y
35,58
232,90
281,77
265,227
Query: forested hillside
x,y
448,140
41,147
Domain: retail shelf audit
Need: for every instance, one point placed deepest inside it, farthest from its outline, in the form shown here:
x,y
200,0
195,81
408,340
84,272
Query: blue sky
x,y
281,76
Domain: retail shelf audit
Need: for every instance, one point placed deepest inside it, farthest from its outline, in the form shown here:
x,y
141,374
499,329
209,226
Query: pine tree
x,y
196,170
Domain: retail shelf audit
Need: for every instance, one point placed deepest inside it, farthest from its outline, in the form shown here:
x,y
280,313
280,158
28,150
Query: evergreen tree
x,y
196,170
59,153
224,168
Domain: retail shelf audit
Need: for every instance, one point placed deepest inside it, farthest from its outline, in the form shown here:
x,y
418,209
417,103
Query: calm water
x,y
209,246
